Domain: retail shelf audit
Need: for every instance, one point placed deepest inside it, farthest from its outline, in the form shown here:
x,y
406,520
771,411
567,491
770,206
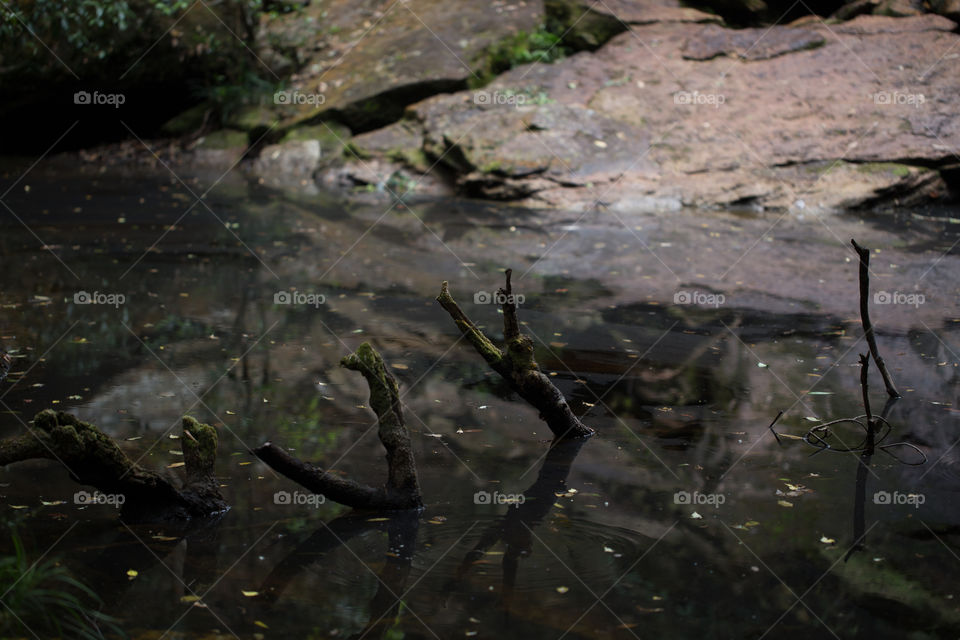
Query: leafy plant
x,y
541,45
43,598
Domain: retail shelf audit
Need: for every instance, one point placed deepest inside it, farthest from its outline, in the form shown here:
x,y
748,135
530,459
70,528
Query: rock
x,y
894,8
256,120
668,122
948,8
588,25
363,62
288,163
749,44
878,25
187,122
220,149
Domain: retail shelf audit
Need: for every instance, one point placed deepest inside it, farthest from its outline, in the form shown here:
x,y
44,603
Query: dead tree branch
x,y
93,458
516,365
864,255
401,490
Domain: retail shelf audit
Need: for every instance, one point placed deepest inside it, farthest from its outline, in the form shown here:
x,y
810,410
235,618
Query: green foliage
x,y
541,45
43,598
115,34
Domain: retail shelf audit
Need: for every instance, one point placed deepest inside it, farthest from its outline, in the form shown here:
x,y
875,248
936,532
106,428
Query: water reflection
x,y
677,394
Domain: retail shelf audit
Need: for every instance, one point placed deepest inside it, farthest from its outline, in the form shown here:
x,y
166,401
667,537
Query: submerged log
x,y
401,490
92,458
516,365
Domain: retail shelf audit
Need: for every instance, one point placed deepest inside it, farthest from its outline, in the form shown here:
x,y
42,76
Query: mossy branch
x,y
517,366
93,458
401,490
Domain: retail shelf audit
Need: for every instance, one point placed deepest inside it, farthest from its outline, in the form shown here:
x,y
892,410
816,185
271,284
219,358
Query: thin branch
x,y
864,255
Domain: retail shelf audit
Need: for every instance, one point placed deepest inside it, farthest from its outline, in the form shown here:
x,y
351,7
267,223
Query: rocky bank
x,y
661,106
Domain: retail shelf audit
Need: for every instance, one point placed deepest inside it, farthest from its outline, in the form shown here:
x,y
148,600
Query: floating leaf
x,y
262,625
826,540
189,599
784,503
696,516
164,539
563,589
250,594
132,573
175,465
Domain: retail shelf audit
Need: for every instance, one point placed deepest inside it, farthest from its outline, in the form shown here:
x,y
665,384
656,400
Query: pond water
x,y
682,517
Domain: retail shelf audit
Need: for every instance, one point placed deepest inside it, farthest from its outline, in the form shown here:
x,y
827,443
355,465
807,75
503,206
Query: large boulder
x,y
362,61
820,116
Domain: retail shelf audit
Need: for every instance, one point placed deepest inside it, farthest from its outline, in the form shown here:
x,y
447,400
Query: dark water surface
x,y
610,541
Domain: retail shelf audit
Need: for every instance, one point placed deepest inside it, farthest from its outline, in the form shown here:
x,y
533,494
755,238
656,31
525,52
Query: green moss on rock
x,y
224,139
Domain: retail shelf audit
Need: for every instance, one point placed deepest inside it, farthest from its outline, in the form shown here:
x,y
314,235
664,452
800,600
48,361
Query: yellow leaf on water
x,y
19,506
377,519
563,589
262,625
175,465
133,573
784,503
163,538
250,594
826,540
189,599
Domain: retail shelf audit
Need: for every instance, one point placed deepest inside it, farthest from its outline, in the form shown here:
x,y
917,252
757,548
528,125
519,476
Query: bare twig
x,y
864,255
